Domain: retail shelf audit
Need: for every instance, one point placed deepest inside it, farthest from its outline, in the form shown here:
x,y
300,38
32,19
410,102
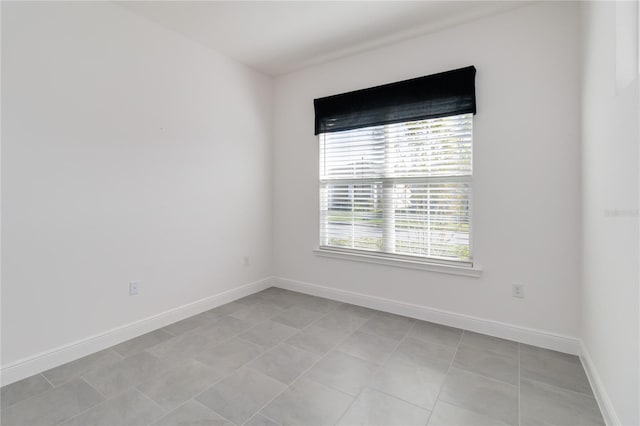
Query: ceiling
x,y
277,37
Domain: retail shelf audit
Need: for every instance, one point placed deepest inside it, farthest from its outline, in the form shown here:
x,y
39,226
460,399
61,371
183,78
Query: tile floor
x,y
284,358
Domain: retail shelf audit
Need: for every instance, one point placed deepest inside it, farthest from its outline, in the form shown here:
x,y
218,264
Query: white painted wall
x,y
610,187
526,176
129,153
132,153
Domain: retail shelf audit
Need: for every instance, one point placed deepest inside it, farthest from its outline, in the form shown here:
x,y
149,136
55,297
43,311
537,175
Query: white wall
x,y
610,298
129,153
526,218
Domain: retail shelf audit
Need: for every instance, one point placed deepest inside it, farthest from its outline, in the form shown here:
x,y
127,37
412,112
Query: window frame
x,y
466,268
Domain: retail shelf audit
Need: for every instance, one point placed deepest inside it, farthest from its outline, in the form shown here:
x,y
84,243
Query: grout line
x,y
110,350
321,357
262,348
193,398
483,376
104,400
519,397
210,385
164,410
172,334
494,352
446,375
265,416
325,314
29,397
379,367
493,379
212,410
398,398
571,391
214,383
258,413
81,377
49,381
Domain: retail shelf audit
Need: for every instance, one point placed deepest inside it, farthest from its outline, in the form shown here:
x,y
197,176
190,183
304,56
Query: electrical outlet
x,y
517,291
246,261
134,288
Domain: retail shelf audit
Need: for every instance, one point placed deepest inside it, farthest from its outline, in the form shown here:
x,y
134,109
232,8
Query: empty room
x,y
318,213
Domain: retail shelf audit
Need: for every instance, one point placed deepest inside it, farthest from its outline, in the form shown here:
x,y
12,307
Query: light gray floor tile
x,y
192,413
274,302
283,300
269,333
260,420
230,355
355,310
316,339
553,368
187,324
223,328
140,343
182,347
436,333
284,362
175,386
66,372
487,363
397,367
481,395
53,406
368,346
549,405
449,415
318,304
252,299
259,312
23,389
341,321
375,408
126,373
388,325
297,317
343,372
409,382
212,314
226,309
274,291
298,298
130,408
308,403
494,344
241,395
426,354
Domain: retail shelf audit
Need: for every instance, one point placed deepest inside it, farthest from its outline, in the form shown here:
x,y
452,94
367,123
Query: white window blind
x,y
400,189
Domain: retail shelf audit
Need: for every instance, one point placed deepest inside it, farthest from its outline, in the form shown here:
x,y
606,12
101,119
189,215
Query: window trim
x,y
470,270
459,267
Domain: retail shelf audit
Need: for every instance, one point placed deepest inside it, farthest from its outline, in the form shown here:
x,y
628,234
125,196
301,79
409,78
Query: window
x,y
399,189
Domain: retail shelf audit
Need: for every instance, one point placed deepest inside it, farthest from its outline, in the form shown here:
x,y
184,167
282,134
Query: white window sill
x,y
468,271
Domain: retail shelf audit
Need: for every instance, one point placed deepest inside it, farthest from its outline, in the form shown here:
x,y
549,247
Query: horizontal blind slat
x,y
403,188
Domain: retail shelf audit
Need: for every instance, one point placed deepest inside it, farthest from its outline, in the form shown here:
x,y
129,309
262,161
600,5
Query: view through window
x,y
400,189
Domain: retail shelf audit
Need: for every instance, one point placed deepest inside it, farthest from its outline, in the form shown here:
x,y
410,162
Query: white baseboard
x,y
37,363
601,395
43,361
544,339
